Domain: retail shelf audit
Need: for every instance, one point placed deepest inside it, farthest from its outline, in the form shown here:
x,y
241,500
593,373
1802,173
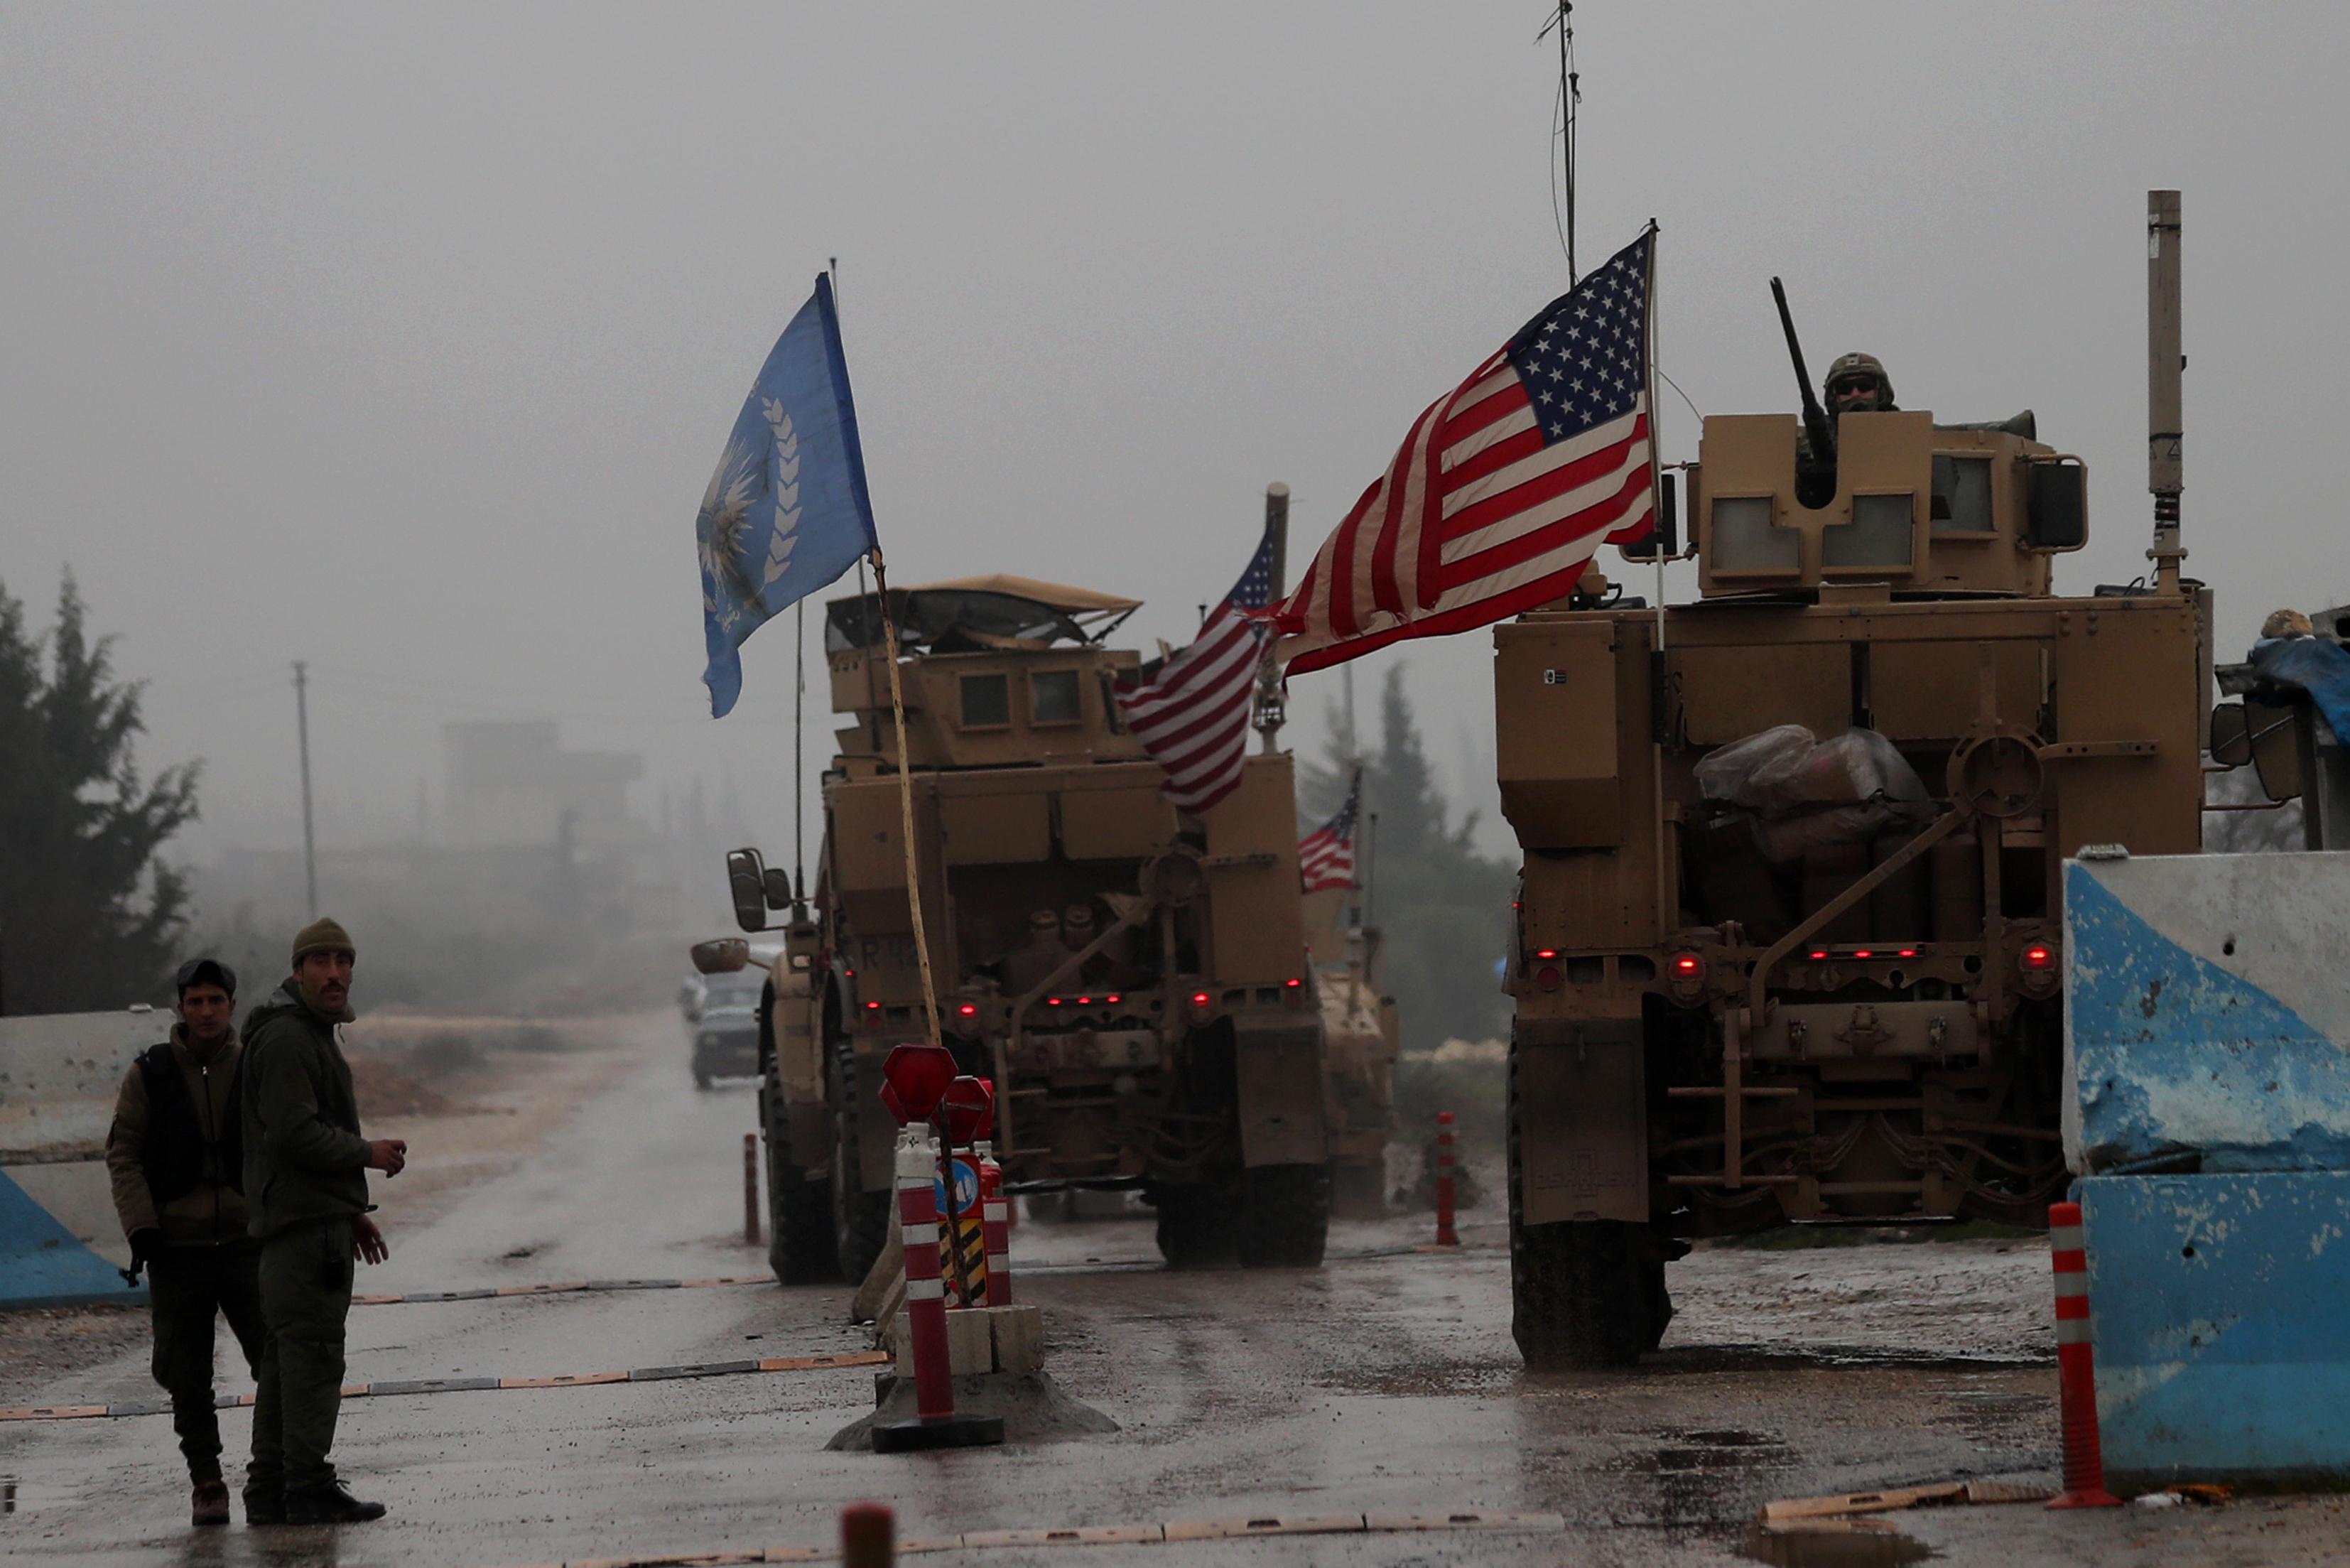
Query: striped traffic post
x,y
914,1079
1446,1236
926,1293
995,1211
2085,1459
750,1189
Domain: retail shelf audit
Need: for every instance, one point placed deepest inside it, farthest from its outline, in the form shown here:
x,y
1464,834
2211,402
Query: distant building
x,y
512,781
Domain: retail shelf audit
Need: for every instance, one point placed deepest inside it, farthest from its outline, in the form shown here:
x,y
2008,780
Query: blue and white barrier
x,y
2208,1059
60,1244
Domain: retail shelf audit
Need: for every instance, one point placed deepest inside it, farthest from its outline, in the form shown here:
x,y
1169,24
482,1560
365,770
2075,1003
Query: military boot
x,y
336,1505
210,1503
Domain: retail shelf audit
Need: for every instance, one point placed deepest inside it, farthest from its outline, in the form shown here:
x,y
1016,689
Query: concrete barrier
x,y
2208,1055
60,1242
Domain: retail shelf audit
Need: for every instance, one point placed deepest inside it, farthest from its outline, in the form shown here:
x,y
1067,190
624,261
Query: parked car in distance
x,y
722,1023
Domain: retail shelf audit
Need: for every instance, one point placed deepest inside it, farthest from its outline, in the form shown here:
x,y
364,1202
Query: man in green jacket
x,y
176,1156
305,1170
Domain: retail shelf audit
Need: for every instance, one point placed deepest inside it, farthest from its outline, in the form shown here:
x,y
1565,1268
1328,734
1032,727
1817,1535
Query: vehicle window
x,y
1878,536
1746,540
1961,494
1052,697
986,702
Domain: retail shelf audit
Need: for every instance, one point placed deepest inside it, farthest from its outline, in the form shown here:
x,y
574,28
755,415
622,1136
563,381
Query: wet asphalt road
x,y
1375,1382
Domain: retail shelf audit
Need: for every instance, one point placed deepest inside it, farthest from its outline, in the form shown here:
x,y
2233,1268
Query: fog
x,y
403,340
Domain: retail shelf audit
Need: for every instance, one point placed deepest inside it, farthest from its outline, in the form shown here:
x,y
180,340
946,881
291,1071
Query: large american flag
x,y
1326,857
1192,714
1504,487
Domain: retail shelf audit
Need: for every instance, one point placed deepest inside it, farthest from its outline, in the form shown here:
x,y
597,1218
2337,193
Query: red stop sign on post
x,y
970,1107
913,1077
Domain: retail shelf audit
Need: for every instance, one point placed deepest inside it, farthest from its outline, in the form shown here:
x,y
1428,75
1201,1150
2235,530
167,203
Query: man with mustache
x,y
305,1168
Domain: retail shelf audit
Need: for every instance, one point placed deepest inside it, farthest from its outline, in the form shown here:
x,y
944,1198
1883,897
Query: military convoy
x,y
1789,936
1364,1034
1135,983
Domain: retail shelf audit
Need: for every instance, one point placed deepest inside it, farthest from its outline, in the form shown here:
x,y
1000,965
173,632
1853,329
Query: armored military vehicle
x,y
1364,1034
1788,934
1135,983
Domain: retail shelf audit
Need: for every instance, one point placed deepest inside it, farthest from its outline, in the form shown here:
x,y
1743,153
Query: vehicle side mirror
x,y
2231,743
2056,512
2276,750
746,880
720,955
1664,540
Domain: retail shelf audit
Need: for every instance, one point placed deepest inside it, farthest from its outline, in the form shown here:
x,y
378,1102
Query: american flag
x,y
1503,488
1326,857
1192,714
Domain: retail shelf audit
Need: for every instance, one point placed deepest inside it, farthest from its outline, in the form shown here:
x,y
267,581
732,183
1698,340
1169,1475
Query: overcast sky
x,y
404,339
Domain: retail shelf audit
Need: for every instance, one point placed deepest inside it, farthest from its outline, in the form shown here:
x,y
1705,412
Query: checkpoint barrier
x,y
396,1387
2208,1115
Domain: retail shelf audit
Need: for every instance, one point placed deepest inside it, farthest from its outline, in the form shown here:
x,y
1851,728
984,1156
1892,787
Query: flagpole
x,y
1665,912
905,791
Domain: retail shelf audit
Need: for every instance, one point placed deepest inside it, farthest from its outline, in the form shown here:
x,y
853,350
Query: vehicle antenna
x,y
2165,367
1570,99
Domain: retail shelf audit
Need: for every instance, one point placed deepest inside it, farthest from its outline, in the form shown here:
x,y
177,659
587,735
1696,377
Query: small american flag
x,y
1503,488
1192,714
1326,857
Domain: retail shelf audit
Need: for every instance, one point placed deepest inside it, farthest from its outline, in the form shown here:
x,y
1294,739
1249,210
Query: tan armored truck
x,y
1365,1036
1788,935
1135,983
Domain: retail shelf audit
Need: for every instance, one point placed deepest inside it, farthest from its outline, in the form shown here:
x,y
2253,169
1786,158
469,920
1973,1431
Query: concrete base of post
x,y
960,1430
997,1355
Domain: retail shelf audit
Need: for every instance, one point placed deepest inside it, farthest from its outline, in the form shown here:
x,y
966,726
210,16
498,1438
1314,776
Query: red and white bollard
x,y
2085,1459
937,1426
995,1213
750,1189
1446,1236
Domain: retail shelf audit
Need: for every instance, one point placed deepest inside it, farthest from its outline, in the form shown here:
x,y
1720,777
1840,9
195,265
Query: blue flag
x,y
786,513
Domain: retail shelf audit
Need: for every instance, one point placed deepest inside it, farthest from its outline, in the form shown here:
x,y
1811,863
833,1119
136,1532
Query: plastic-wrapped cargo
x,y
1808,794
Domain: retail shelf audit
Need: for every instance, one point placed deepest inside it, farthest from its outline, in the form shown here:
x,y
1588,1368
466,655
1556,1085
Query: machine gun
x,y
1816,475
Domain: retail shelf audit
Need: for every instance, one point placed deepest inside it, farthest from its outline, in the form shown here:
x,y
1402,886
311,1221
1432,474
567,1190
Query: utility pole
x,y
302,728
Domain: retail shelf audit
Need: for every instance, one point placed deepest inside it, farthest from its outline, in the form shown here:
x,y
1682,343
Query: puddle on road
x,y
1834,1543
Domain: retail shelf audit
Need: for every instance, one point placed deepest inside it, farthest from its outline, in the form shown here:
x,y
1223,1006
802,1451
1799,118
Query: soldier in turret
x,y
1857,384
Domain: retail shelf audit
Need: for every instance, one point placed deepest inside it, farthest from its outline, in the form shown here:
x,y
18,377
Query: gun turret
x,y
1816,478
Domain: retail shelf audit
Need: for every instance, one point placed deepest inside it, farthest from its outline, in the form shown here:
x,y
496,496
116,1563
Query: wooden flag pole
x,y
905,794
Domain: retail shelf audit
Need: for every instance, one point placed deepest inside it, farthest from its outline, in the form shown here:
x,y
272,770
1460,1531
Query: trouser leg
x,y
180,1297
238,1287
306,1293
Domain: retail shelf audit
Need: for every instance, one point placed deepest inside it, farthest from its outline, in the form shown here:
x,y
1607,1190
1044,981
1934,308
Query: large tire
x,y
1581,1297
801,1247
1195,1228
860,1220
1284,1219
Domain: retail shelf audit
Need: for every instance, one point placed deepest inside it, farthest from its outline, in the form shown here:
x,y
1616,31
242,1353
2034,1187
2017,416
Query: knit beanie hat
x,y
322,936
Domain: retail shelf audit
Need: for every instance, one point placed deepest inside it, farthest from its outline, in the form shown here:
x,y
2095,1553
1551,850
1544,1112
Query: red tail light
x,y
1688,966
1819,953
872,1007
1906,952
1112,999
1863,953
1545,953
968,1009
2038,956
